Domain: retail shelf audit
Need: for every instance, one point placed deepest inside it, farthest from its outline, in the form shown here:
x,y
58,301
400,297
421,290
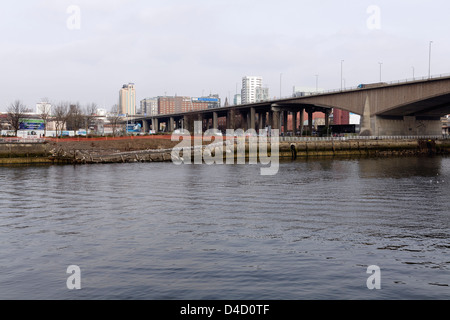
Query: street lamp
x,y
317,83
281,75
429,61
381,63
414,75
342,68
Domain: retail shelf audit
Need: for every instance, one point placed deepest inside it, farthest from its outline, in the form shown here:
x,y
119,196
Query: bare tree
x,y
16,111
45,113
114,118
75,117
60,113
89,115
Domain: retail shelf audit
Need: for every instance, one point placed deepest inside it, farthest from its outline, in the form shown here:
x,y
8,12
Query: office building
x,y
237,99
181,104
149,106
127,99
341,117
212,101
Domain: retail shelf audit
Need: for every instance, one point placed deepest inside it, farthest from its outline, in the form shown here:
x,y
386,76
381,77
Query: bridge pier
x,y
155,125
310,121
269,119
302,121
231,119
406,126
171,124
215,120
410,125
252,122
244,122
260,121
200,128
294,123
327,118
184,123
145,126
285,122
276,120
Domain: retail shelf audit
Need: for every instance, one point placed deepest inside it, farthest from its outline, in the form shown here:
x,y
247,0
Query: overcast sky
x,y
200,47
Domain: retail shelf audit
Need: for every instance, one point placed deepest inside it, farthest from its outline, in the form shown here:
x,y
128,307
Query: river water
x,y
194,232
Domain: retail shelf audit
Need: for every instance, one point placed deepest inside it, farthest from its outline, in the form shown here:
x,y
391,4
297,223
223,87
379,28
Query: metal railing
x,y
349,138
381,84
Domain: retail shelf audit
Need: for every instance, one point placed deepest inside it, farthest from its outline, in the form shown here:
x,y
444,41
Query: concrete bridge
x,y
402,108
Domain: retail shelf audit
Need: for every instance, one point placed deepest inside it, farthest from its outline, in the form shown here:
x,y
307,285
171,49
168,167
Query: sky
x,y
84,51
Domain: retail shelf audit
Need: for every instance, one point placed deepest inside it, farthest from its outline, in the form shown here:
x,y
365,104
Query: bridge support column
x,y
231,119
366,122
215,120
244,122
302,121
276,120
269,119
155,125
200,119
285,122
310,122
327,121
247,120
260,121
186,123
327,118
294,123
252,122
171,124
145,126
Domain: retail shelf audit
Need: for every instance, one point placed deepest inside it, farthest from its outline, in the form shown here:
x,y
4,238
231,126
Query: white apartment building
x,y
249,85
43,108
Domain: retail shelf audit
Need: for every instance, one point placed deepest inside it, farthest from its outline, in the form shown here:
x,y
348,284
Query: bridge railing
x,y
385,83
348,138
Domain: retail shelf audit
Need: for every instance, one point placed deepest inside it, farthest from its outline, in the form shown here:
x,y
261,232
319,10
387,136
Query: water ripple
x,y
160,231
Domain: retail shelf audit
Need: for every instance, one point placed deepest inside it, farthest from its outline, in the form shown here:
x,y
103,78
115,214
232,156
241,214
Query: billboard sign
x,y
32,124
134,127
205,99
81,133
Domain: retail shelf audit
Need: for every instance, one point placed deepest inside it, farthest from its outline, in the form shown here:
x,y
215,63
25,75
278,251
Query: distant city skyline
x,y
194,48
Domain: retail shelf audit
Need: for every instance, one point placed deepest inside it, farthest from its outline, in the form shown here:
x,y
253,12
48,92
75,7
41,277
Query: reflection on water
x,y
160,231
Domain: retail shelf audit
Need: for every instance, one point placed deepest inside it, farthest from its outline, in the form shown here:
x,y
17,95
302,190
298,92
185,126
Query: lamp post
x,y
414,73
429,61
380,63
342,72
317,83
281,76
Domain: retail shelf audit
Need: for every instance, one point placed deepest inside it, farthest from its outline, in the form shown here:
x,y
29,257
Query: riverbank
x,y
159,149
